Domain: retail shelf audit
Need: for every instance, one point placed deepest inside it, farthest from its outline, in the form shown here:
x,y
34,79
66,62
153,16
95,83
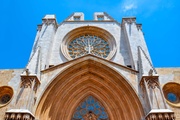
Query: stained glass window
x,y
5,98
88,44
90,109
171,97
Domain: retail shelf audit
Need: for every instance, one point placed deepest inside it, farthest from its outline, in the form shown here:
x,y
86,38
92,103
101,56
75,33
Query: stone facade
x,y
90,70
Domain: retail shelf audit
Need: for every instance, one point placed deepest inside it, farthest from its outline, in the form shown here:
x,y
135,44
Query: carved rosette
x,y
161,116
18,116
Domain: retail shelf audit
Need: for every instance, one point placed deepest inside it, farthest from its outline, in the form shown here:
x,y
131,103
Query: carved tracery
x,y
88,44
90,109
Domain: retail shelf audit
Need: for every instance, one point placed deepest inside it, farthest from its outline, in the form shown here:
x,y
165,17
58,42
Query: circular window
x,y
5,98
6,94
88,40
171,97
88,44
172,93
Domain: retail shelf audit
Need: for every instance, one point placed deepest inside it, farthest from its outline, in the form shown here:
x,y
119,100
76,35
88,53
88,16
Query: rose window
x,y
88,44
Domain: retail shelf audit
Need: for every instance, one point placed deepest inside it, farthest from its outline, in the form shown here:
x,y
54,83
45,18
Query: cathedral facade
x,y
90,70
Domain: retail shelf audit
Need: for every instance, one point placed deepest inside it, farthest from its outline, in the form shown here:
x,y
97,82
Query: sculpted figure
x,y
90,116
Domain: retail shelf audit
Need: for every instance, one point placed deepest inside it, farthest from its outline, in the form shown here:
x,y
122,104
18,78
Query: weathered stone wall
x,y
9,78
168,75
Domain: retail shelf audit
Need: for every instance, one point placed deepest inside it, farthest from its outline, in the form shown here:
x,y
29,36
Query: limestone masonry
x,y
90,70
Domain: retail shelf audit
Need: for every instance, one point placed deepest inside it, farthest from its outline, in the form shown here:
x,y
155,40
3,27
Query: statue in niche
x,y
90,116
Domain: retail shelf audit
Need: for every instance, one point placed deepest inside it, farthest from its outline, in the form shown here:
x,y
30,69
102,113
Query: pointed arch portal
x,y
89,78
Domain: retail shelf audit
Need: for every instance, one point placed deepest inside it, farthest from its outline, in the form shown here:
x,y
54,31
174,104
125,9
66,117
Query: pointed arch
x,y
90,107
85,78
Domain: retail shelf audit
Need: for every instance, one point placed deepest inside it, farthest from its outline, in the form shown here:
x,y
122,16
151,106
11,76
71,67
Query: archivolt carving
x,y
69,88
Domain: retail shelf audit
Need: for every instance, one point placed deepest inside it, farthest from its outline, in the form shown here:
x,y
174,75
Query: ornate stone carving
x,y
18,116
151,81
26,82
13,115
139,26
49,22
129,20
161,116
29,81
39,27
151,94
90,116
26,116
88,40
88,44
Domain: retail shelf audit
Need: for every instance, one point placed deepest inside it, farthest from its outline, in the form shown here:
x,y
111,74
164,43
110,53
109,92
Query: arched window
x,y
90,109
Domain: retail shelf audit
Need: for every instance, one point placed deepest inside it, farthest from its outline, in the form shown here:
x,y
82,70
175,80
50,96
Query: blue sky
x,y
159,18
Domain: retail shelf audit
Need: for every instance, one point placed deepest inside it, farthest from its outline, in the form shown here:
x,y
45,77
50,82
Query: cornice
x,y
88,57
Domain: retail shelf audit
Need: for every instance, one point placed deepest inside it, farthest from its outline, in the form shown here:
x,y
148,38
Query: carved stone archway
x,y
89,77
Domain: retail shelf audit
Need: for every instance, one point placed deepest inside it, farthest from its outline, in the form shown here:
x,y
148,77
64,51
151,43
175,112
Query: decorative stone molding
x,y
30,81
129,20
139,26
50,21
151,92
90,116
19,114
39,27
83,78
6,94
152,81
92,31
160,114
171,92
